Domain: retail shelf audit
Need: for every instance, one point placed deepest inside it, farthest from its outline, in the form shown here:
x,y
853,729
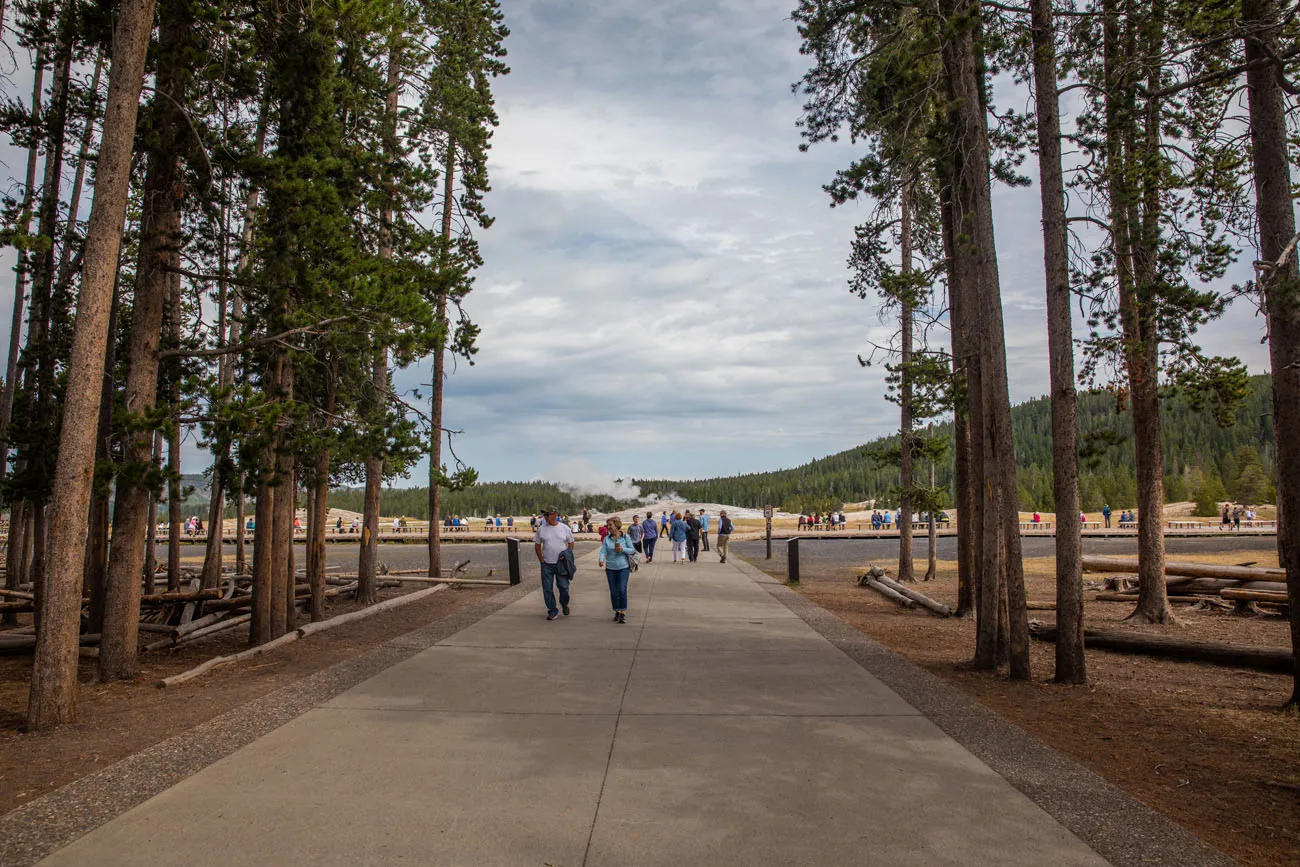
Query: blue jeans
x,y
649,546
618,587
551,578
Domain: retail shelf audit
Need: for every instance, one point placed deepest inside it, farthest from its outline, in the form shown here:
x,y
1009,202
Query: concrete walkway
x,y
714,728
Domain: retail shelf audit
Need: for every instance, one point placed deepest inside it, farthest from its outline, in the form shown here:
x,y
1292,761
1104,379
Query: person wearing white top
x,y
552,541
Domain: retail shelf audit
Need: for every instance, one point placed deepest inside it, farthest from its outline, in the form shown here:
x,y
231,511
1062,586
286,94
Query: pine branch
x,y
250,344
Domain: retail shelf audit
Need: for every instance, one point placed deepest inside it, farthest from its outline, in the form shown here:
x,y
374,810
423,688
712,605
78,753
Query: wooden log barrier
x,y
1276,659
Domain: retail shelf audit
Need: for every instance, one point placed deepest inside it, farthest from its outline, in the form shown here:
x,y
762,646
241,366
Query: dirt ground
x,y
116,720
1203,744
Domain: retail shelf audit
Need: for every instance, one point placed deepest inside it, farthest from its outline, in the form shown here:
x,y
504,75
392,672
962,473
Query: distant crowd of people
x,y
836,521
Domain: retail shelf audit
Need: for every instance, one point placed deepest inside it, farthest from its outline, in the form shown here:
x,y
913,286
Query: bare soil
x,y
1203,744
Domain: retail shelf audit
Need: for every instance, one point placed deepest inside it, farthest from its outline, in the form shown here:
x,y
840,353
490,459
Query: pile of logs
x,y
192,615
1245,586
878,580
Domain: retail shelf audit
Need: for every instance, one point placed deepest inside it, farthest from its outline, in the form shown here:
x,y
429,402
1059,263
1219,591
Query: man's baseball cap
x,y
549,510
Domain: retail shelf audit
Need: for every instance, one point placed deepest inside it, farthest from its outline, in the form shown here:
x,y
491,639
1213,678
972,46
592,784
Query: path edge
x,y
34,830
1114,824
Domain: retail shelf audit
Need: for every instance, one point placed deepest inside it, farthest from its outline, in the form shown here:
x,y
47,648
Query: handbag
x,y
633,559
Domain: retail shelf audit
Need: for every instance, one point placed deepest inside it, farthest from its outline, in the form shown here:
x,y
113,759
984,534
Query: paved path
x,y
714,728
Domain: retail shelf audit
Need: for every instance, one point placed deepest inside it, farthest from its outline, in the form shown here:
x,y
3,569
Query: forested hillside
x,y
1201,458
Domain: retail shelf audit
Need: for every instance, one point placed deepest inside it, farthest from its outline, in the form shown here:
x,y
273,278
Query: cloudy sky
x,y
665,291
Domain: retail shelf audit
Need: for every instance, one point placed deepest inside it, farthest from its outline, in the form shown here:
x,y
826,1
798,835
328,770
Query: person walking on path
x,y
1105,514
635,532
692,537
553,542
704,529
649,536
614,550
665,523
724,535
677,535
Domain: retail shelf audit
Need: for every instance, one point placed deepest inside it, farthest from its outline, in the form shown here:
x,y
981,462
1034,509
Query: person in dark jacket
x,y
725,527
692,536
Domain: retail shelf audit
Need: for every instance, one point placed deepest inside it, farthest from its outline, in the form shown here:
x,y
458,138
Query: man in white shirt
x,y
552,542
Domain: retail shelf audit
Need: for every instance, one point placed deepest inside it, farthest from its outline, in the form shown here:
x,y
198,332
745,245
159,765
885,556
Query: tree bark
x,y
1280,285
282,534
995,471
54,670
320,507
159,237
906,445
20,284
95,575
440,372
265,589
1134,275
964,492
151,532
368,557
1070,664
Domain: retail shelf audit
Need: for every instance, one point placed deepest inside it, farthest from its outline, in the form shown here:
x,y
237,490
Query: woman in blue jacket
x,y
649,535
677,534
614,551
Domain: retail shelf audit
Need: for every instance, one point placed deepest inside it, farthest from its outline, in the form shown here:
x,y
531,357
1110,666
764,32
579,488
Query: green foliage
x,y
1194,447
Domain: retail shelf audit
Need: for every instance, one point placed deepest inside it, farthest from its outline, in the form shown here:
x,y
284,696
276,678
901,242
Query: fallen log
x,y
1277,659
916,596
888,593
1277,597
425,579
1033,605
1129,565
192,596
300,632
1133,597
17,594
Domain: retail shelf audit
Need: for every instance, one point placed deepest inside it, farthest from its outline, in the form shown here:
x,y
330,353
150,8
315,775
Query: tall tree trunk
x,y
64,274
1281,288
1135,274
241,557
1070,666
41,363
151,532
932,535
285,508
440,371
964,491
95,576
135,511
268,595
996,472
54,671
906,444
175,515
23,272
320,506
368,557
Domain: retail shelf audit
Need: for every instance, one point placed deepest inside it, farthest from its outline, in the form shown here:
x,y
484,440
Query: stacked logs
x,y
1193,582
906,597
